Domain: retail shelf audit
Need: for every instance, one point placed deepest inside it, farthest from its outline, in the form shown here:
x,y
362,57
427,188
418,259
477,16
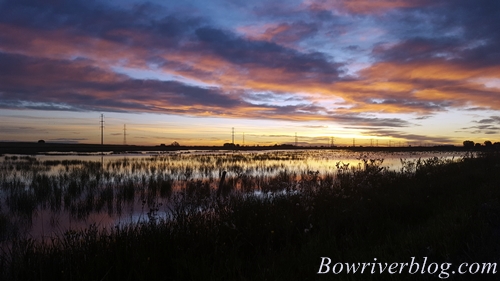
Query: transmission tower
x,y
124,134
102,129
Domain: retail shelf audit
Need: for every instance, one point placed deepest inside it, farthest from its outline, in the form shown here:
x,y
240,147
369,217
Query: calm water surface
x,y
46,195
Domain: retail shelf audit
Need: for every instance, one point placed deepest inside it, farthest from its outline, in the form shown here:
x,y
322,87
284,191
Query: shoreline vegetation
x,y
31,148
442,209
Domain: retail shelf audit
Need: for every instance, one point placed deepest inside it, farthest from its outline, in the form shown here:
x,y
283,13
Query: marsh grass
x,y
446,210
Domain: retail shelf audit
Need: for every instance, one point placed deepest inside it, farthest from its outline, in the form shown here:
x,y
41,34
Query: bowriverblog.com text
x,y
423,266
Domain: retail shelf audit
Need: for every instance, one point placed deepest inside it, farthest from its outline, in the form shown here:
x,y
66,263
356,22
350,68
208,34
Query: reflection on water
x,y
48,194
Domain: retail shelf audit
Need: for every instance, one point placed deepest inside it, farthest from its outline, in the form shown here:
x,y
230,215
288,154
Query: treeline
x,y
470,144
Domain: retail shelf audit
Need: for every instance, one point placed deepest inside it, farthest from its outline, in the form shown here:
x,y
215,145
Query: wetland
x,y
122,216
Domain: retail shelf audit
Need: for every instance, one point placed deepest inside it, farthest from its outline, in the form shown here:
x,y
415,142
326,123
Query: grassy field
x,y
447,211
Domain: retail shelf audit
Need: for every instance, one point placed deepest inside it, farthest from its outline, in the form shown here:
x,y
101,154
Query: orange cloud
x,y
361,6
65,44
283,33
389,87
264,32
430,82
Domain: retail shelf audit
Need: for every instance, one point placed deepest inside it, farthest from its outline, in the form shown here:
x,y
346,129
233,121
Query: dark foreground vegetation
x,y
447,211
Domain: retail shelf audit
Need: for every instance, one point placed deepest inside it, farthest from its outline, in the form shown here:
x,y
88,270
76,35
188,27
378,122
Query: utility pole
x,y
295,138
353,142
243,139
124,134
102,128
232,135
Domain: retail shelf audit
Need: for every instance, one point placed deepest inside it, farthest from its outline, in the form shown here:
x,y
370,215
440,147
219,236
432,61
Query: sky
x,y
358,72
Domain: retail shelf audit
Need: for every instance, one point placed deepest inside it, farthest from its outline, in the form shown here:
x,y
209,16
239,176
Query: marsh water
x,y
42,196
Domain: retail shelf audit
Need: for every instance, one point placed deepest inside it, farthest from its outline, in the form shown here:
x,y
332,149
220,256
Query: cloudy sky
x,y
381,71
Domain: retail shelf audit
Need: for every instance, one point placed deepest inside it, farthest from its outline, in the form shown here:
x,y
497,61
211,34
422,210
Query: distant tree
x,y
468,143
41,141
175,144
488,143
477,145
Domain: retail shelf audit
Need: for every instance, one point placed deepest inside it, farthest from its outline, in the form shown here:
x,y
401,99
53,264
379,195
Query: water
x,y
45,195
